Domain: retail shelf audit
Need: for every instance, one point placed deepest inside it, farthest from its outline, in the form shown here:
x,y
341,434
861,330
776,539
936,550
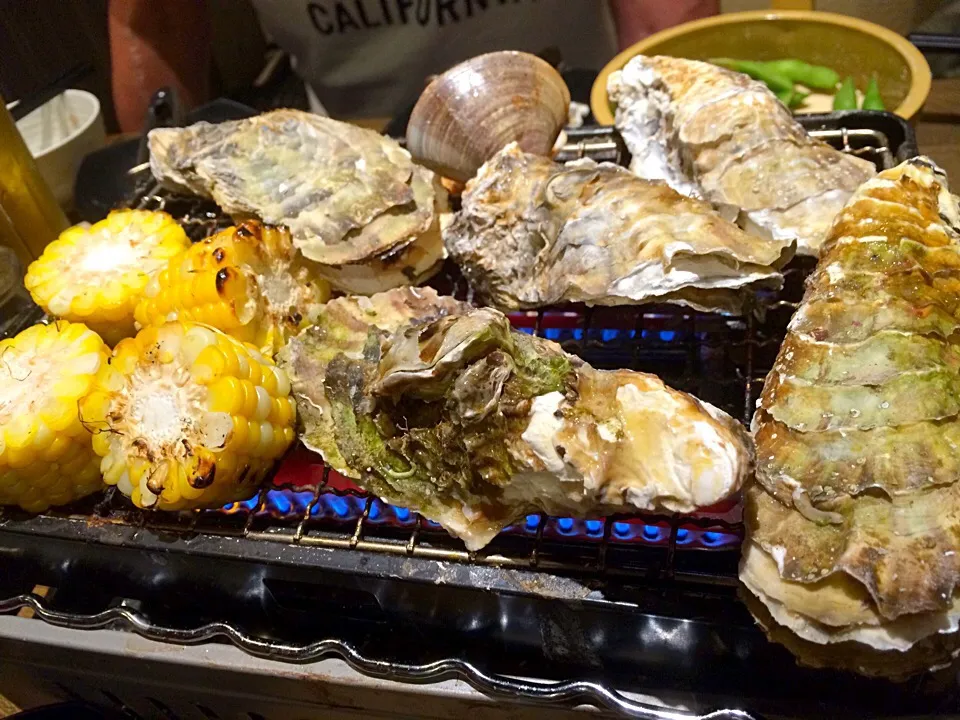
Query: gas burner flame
x,y
347,506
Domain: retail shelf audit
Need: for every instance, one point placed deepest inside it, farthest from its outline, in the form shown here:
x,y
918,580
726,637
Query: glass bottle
x,y
30,216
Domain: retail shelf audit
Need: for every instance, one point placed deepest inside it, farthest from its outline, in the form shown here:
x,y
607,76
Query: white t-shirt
x,y
370,58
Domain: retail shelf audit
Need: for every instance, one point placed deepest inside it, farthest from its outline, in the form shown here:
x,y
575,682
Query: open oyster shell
x,y
443,408
532,232
353,199
854,525
716,134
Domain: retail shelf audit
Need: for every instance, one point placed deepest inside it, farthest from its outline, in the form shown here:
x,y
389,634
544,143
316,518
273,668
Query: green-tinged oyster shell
x,y
824,465
450,412
879,358
903,550
343,327
854,524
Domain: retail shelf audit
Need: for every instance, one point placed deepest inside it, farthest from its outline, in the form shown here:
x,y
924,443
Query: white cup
x,y
59,134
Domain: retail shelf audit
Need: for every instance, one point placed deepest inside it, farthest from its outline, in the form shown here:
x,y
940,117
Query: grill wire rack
x,y
722,360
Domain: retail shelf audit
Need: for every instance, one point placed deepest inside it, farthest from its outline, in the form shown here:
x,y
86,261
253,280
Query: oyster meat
x,y
443,408
854,523
532,232
717,134
353,199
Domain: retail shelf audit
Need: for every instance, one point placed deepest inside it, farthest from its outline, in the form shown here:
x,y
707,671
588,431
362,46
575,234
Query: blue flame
x,y
339,505
594,527
621,529
532,521
565,526
667,335
279,500
652,533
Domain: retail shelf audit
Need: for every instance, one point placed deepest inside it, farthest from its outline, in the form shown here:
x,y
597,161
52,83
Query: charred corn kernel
x,y
248,281
95,274
183,428
46,449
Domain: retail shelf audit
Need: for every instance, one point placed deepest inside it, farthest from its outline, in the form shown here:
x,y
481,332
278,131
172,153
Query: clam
x,y
470,112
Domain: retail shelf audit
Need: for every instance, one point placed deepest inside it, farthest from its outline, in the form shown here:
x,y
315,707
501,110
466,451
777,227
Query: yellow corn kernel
x,y
180,421
248,281
46,451
95,274
209,365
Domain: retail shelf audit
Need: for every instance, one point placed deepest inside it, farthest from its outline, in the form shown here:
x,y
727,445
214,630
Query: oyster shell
x,y
353,200
442,408
719,135
532,232
854,525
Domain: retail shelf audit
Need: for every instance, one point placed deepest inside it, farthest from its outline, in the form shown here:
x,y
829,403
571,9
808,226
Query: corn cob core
x,y
95,274
248,281
46,452
192,417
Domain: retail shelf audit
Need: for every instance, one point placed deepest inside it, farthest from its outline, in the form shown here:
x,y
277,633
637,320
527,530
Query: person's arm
x,y
154,43
636,19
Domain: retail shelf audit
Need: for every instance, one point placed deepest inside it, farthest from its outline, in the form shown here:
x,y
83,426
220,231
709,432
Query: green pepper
x,y
816,77
758,71
871,98
797,99
792,98
846,97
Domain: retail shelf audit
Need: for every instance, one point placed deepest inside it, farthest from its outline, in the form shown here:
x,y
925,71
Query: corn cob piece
x,y
95,274
190,417
248,281
46,452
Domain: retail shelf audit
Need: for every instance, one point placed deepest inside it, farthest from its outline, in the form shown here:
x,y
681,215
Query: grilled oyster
x,y
717,134
475,425
854,526
532,232
353,200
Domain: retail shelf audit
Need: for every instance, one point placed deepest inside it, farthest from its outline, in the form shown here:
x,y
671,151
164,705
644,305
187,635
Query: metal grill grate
x,y
720,359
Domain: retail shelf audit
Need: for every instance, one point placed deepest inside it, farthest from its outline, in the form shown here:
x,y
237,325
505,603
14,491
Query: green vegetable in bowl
x,y
792,98
872,99
777,82
846,97
816,77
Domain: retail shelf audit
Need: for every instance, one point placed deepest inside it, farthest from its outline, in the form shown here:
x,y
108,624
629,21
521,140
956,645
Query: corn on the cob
x,y
95,274
46,452
191,417
248,281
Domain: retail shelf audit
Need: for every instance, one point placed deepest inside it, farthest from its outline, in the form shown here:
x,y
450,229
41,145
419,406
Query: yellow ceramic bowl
x,y
848,45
